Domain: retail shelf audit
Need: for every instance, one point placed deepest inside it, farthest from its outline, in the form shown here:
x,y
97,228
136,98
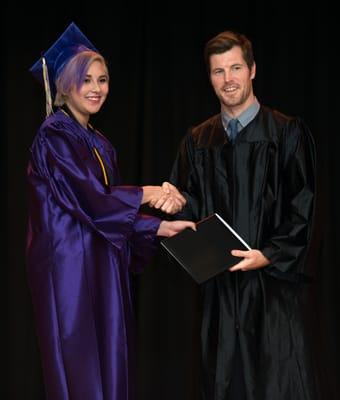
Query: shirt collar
x,y
244,118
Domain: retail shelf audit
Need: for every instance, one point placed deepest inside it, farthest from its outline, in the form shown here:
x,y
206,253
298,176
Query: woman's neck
x,y
83,120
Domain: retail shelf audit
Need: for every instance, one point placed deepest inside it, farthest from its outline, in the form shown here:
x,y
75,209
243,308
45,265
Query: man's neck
x,y
234,112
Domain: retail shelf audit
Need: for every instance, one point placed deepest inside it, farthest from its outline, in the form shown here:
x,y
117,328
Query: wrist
x,y
149,192
162,228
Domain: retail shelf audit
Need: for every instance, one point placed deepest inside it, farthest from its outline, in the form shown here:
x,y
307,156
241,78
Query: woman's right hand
x,y
167,198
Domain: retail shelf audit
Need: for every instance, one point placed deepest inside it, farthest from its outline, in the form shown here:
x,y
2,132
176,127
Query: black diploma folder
x,y
206,252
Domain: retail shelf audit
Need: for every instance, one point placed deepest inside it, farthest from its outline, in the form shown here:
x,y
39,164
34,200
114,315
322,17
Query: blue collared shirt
x,y
243,119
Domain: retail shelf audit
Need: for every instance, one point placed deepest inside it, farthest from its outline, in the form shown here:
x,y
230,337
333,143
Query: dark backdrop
x,y
158,89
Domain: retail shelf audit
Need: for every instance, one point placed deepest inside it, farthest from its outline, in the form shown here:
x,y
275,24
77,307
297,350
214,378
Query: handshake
x,y
167,198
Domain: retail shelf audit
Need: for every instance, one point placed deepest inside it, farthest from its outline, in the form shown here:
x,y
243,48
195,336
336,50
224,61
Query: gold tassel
x,y
96,152
49,108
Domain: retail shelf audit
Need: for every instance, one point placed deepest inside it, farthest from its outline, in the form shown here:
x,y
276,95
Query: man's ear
x,y
253,71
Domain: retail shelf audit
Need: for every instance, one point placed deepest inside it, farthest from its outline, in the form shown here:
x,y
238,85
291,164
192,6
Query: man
x,y
255,167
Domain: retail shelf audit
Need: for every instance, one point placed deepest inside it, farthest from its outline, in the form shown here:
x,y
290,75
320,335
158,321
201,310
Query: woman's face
x,y
92,93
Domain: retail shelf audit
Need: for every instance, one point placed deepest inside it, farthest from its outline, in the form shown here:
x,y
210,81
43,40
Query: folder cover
x,y
206,252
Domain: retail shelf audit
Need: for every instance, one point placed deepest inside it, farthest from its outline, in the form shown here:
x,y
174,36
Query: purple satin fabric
x,y
83,240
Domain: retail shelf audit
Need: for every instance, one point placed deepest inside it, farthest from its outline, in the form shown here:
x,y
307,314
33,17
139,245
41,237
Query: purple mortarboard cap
x,y
71,42
47,69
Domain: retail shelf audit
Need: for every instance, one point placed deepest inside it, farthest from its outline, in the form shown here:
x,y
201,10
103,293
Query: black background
x,y
158,88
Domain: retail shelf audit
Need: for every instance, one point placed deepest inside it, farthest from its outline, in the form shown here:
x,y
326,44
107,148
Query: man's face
x,y
231,79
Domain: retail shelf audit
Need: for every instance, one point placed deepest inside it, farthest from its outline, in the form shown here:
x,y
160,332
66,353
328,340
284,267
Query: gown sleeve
x,y
66,165
183,176
143,241
288,244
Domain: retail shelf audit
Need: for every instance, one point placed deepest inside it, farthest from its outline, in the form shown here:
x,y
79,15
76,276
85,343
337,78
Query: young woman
x,y
85,233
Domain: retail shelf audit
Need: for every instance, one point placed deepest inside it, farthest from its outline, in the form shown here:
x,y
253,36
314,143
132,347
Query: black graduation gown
x,y
264,186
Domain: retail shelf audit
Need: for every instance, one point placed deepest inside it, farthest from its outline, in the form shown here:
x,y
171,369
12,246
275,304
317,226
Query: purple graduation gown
x,y
84,237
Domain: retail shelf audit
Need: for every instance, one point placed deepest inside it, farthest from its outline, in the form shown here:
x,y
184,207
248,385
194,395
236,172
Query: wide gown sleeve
x,y
74,177
143,241
183,176
288,244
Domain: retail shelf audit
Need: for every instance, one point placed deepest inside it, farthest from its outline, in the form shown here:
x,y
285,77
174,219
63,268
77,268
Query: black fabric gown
x,y
264,186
